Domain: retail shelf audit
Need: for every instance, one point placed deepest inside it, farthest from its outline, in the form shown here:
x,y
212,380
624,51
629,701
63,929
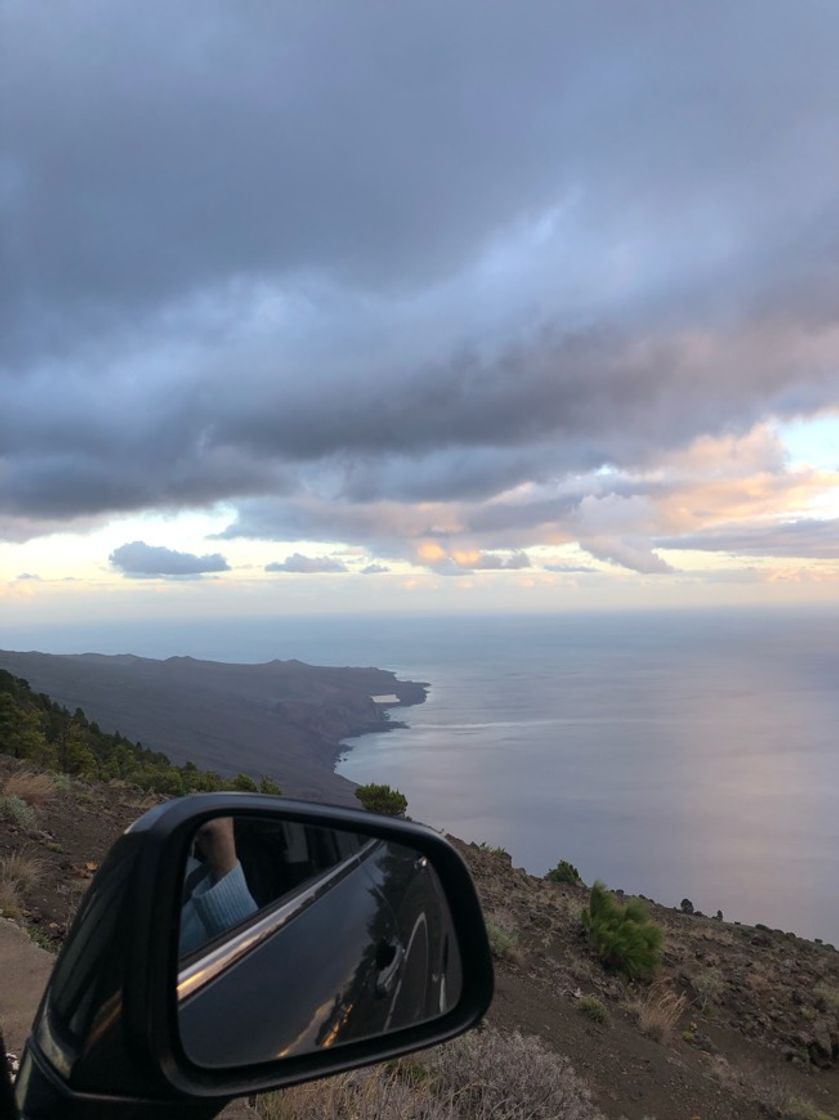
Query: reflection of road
x,y
415,962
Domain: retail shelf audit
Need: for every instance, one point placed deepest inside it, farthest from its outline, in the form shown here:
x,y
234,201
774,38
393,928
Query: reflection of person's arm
x,y
225,902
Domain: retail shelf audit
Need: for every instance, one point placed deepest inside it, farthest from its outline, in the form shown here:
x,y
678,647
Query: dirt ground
x,y
759,1027
741,1052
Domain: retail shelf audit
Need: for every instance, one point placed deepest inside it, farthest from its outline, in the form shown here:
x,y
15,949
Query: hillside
x,y
757,1030
283,718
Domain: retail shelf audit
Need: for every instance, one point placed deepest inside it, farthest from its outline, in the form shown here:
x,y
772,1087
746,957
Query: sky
x,y
417,307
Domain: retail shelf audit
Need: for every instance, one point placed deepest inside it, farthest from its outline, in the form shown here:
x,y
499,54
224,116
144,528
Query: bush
x,y
593,1009
503,939
622,934
243,783
382,799
565,872
827,998
686,906
483,1075
707,984
14,809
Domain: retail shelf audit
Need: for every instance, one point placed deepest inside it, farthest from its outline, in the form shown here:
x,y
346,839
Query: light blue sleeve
x,y
225,903
215,907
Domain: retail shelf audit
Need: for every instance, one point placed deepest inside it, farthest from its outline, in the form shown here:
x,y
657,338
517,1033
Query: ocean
x,y
678,755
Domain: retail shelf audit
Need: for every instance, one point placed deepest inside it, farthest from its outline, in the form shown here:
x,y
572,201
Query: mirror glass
x,y
294,938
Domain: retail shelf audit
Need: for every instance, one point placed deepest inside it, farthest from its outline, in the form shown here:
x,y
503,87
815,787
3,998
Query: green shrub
x,y
593,1009
382,799
243,783
15,809
268,785
565,872
622,934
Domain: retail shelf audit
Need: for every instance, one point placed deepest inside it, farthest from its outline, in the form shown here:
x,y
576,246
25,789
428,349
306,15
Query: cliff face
x,y
283,718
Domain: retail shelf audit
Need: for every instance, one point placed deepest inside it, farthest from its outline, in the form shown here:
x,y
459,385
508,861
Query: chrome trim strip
x,y
198,974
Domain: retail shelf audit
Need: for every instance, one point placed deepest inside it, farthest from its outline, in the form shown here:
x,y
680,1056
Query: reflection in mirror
x,y
295,938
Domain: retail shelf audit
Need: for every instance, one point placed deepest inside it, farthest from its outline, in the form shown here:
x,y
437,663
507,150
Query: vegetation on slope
x,y
37,729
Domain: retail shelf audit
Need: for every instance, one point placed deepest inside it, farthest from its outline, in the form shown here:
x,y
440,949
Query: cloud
x,y
307,564
375,570
808,537
140,560
27,576
627,553
569,569
490,562
370,319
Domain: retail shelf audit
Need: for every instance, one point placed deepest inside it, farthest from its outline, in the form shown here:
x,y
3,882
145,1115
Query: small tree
x,y
686,906
622,934
243,783
382,799
268,785
565,872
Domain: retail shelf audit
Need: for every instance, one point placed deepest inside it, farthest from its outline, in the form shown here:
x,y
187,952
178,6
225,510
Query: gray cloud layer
x,y
139,559
334,262
818,540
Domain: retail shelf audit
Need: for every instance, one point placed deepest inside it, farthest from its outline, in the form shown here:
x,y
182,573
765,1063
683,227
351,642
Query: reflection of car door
x,y
413,894
325,996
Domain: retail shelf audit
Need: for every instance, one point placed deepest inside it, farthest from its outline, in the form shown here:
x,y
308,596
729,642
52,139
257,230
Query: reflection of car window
x,y
275,860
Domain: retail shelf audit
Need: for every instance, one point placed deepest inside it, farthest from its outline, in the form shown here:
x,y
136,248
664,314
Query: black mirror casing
x,y
106,1040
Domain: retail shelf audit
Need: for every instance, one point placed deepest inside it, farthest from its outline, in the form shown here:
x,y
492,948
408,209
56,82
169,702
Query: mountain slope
x,y
282,718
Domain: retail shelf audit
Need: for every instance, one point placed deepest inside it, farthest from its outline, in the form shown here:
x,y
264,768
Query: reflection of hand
x,y
216,841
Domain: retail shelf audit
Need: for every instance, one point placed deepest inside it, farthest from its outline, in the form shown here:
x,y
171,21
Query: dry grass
x,y
827,998
503,938
9,900
35,789
658,1013
21,870
708,985
483,1075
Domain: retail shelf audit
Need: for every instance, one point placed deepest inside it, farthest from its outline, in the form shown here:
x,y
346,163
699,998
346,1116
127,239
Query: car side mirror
x,y
234,943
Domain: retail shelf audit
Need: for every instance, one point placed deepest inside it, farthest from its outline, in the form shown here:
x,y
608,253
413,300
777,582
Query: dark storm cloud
x,y
307,565
366,258
140,560
811,538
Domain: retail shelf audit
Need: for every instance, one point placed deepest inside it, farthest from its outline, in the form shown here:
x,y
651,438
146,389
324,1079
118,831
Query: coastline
x,y
285,719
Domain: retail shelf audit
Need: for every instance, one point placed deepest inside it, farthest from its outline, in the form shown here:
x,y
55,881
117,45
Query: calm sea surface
x,y
677,755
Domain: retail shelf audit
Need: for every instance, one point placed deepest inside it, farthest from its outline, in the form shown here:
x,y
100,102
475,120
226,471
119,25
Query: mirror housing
x,y
106,1034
